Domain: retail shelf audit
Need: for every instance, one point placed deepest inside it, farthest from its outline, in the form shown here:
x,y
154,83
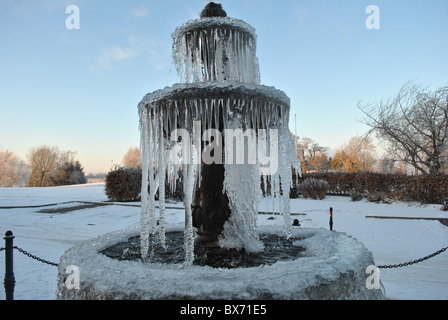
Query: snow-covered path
x,y
48,235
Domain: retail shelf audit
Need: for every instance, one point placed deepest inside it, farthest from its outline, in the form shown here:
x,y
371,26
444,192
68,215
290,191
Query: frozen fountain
x,y
225,137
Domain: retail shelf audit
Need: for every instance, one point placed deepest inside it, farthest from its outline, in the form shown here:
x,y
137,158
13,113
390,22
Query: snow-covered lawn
x,y
392,241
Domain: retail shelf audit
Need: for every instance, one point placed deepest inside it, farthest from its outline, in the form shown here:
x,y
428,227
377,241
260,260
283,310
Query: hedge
x,y
421,188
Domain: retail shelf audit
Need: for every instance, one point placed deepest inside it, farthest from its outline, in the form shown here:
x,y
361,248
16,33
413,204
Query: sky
x,y
78,89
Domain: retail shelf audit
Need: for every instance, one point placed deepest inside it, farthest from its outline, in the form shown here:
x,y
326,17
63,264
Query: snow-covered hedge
x,y
314,188
421,188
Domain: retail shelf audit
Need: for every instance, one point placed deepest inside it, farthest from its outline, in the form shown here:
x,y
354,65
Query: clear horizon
x,y
78,89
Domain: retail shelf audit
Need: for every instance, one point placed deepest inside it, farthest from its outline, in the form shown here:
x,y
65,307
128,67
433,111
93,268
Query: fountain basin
x,y
332,266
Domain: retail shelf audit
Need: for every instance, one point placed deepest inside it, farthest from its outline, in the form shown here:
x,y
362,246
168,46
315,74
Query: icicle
x,y
188,194
188,176
285,174
144,222
153,138
149,149
162,175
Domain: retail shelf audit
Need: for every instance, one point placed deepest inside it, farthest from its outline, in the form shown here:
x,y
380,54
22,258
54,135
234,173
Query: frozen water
x,y
216,49
256,112
333,267
216,62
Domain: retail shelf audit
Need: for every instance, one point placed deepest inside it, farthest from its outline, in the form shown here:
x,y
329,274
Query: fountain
x,y
225,137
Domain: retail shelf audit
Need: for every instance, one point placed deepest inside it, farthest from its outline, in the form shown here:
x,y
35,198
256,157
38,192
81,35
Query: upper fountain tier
x,y
216,49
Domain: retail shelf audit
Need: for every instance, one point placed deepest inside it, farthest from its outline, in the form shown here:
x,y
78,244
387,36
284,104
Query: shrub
x,y
356,196
294,192
377,197
124,184
445,206
314,188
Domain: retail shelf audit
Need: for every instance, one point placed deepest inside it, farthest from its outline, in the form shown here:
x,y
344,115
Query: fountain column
x,y
210,207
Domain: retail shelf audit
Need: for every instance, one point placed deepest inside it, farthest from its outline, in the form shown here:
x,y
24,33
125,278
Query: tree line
x,y
358,155
412,127
45,167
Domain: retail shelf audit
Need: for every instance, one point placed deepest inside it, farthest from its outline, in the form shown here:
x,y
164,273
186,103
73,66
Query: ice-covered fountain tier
x,y
225,137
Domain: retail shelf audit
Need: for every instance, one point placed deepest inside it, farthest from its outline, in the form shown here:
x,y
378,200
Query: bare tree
x,y
132,158
357,156
13,171
67,156
312,156
414,126
44,163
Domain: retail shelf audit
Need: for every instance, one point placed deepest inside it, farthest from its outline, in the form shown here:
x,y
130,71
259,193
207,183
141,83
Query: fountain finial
x,y
213,9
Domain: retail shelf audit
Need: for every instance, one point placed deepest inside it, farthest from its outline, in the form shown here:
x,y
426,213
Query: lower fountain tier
x,y
333,266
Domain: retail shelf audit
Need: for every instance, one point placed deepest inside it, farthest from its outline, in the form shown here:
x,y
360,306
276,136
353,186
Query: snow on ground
x,y
392,241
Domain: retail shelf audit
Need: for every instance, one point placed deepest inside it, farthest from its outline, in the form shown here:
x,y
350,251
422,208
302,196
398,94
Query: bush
x,y
356,197
377,197
445,206
294,192
314,188
124,184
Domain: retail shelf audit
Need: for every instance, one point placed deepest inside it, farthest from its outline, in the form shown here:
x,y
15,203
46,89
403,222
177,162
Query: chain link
x,y
392,266
35,257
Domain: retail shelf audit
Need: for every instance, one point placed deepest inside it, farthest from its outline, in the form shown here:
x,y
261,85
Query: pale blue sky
x,y
79,89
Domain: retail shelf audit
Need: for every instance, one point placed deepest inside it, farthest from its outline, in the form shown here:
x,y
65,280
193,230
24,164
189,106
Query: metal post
x,y
9,281
331,219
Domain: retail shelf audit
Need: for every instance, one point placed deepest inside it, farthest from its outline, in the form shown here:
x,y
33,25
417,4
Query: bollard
x,y
331,219
9,281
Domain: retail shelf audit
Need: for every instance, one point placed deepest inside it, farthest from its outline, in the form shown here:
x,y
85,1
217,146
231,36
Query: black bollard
x,y
331,219
9,281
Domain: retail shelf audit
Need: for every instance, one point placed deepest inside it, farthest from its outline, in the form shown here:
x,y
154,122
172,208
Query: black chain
x,y
35,257
413,262
392,266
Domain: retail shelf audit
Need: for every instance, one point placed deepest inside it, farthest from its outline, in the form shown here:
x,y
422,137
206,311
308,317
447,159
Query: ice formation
x,y
333,267
219,73
216,49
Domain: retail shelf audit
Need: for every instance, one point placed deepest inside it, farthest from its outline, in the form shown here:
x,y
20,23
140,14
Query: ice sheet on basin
x,y
330,258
